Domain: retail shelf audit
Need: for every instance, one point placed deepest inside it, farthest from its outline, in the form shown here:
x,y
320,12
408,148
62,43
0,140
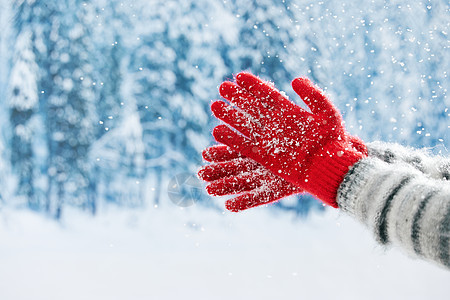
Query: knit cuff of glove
x,y
328,169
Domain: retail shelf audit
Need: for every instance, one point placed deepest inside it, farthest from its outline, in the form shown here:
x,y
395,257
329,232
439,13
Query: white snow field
x,y
196,253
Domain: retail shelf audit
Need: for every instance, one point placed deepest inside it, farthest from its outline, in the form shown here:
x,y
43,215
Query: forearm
x,y
436,167
402,206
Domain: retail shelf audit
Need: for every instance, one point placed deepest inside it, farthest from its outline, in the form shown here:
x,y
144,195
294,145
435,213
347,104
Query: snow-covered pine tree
x,y
67,102
23,104
6,23
112,28
175,71
118,150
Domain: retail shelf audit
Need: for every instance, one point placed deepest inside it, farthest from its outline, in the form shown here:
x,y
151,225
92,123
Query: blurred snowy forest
x,y
105,101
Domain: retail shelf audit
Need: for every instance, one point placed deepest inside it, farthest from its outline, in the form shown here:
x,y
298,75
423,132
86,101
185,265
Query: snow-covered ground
x,y
195,253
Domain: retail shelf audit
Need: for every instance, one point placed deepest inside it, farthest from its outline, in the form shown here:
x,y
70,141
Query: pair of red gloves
x,y
277,148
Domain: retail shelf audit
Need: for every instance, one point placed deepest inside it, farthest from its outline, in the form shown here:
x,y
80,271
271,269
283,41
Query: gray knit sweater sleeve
x,y
401,205
435,166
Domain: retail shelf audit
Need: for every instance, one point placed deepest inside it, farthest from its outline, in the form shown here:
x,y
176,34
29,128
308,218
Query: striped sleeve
x,y
437,167
401,205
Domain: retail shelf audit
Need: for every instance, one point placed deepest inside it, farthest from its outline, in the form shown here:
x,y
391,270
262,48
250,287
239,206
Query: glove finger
x,y
264,91
239,120
225,169
219,153
237,184
223,134
245,101
316,100
260,196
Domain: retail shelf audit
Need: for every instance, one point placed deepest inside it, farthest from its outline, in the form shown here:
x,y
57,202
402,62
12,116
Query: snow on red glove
x,y
308,149
231,173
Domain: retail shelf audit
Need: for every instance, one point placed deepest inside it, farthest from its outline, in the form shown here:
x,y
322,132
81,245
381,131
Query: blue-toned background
x,y
102,103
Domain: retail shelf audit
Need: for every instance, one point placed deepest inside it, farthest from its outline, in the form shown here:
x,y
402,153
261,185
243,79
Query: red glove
x,y
231,173
307,149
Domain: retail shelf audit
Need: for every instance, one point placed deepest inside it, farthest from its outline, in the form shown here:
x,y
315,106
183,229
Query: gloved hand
x,y
307,149
230,173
